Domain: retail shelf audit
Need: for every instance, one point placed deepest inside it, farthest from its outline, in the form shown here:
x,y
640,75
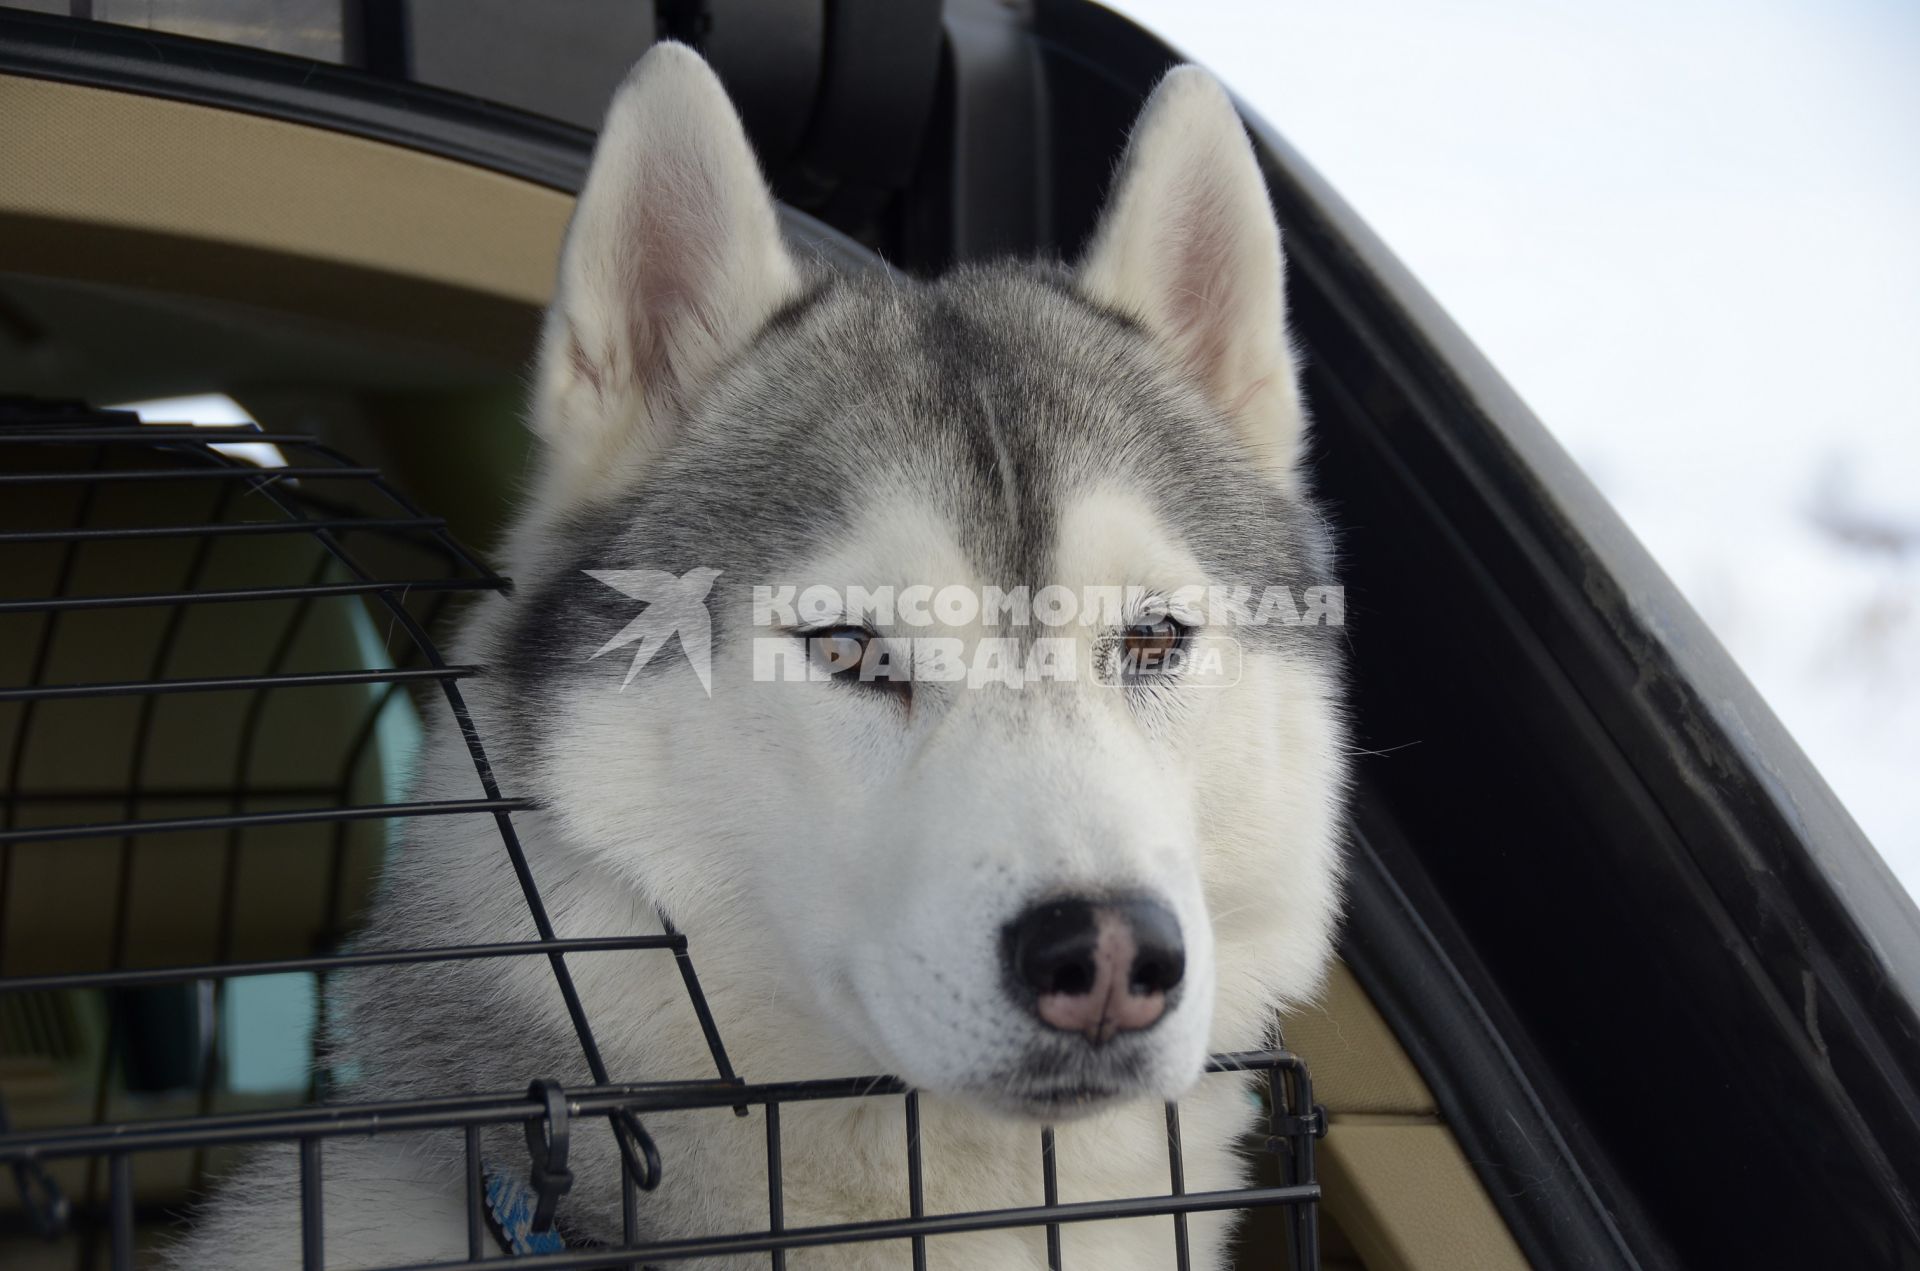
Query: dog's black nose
x,y
1096,967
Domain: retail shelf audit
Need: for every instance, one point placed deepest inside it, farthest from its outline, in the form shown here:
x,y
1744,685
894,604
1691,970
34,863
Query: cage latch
x,y
1288,1125
547,1139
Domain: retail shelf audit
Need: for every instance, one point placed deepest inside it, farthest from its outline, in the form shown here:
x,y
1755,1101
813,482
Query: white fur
x,y
842,871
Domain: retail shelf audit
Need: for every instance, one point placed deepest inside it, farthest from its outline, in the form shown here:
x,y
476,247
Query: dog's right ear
x,y
672,262
1188,246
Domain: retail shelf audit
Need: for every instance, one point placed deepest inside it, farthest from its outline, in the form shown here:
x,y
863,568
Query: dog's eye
x,y
1147,647
838,650
852,654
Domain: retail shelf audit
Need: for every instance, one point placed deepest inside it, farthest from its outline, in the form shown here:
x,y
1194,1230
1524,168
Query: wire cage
x,y
215,659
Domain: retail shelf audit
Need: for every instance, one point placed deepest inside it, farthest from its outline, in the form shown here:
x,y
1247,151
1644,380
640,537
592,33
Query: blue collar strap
x,y
510,1208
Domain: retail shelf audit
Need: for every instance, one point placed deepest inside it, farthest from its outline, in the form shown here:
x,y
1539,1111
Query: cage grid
x,y
403,568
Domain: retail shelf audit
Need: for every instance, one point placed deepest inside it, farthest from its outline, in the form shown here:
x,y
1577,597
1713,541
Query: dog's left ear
x,y
1188,245
672,262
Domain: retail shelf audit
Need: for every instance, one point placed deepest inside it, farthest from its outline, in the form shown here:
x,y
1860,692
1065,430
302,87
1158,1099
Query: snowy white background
x,y
1688,232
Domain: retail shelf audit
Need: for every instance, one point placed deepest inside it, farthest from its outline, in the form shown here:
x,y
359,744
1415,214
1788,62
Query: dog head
x,y
1004,751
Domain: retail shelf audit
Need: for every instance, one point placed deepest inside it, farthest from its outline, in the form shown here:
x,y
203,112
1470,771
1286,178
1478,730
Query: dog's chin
x,y
1045,1091
1047,1104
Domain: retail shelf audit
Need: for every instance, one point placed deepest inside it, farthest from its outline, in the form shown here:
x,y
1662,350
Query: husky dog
x,y
1037,903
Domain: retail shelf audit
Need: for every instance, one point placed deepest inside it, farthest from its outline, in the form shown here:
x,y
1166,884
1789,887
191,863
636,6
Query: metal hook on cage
x,y
48,1208
548,1176
637,1148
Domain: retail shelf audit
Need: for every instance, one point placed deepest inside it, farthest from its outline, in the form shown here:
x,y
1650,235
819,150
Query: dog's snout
x,y
1096,968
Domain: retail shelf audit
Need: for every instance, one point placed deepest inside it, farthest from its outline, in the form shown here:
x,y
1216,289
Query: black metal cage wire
x,y
325,500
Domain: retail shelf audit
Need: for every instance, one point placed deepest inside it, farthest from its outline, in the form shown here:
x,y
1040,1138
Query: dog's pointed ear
x,y
1189,247
673,260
